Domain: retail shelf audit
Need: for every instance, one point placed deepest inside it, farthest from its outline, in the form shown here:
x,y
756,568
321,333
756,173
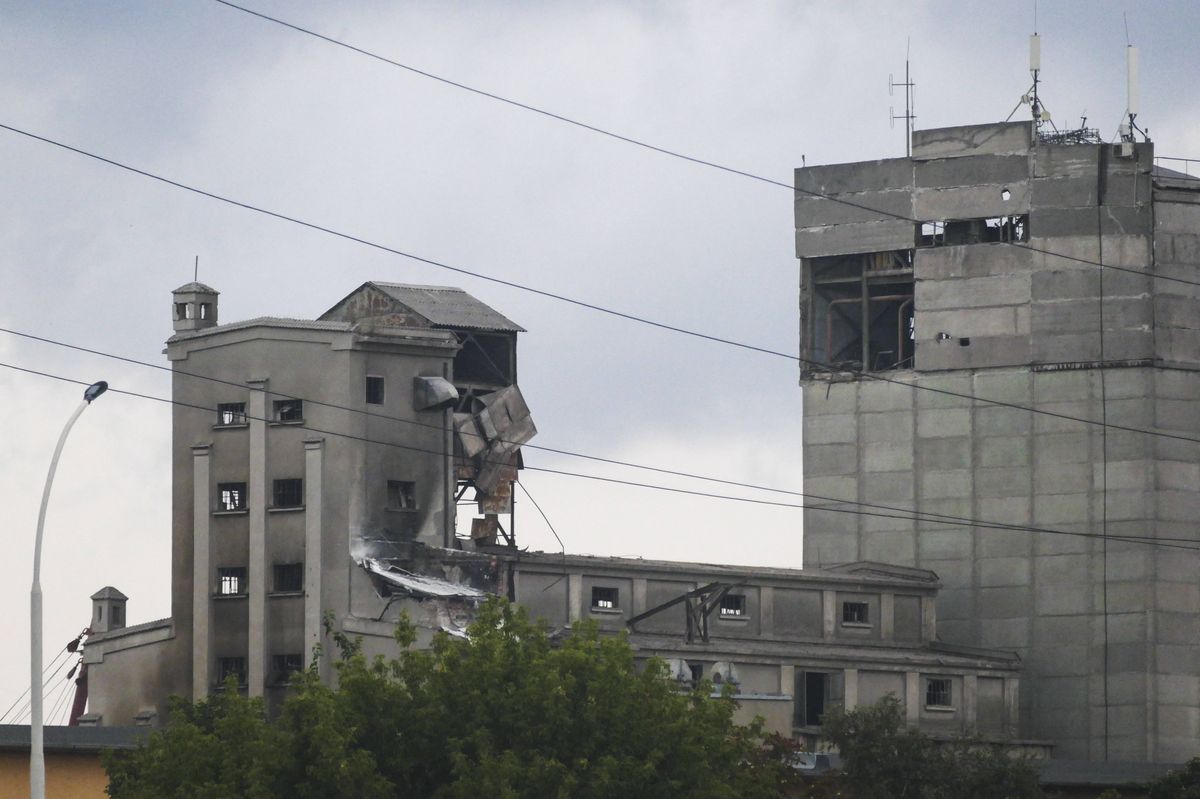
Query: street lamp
x,y
37,760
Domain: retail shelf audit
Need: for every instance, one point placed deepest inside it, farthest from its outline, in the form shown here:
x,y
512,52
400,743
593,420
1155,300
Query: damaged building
x,y
1003,268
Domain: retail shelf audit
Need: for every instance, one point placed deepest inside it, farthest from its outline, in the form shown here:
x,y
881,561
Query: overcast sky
x,y
213,97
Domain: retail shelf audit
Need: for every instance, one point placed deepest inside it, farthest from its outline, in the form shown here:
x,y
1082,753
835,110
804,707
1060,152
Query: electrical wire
x,y
24,693
914,516
22,713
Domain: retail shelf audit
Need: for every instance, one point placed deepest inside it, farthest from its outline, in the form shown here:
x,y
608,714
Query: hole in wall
x,y
964,342
1005,194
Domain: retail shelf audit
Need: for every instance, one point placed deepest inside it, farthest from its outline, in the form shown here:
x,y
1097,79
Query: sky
x,y
210,96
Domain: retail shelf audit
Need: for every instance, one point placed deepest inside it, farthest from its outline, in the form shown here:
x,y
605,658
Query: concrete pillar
x,y
256,640
828,613
850,678
766,611
787,680
887,616
970,701
202,573
574,597
928,619
314,470
1012,705
912,697
639,596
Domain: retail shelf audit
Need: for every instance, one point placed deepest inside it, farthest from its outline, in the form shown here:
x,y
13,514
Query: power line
x,y
657,148
914,516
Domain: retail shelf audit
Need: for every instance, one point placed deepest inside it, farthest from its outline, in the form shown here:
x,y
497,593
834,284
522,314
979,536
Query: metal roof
x,y
77,739
445,306
420,585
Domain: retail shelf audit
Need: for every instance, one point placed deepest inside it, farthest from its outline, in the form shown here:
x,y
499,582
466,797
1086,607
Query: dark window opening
x,y
855,613
697,670
859,313
605,598
288,493
231,413
231,496
402,495
485,358
289,576
374,390
938,693
117,617
973,231
284,666
816,692
205,310
231,667
289,410
231,581
733,605
183,310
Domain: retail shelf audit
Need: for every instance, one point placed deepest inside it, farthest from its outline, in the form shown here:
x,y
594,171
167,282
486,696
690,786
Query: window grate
x,y
231,581
856,613
289,576
288,493
733,605
231,496
605,598
938,692
289,410
231,413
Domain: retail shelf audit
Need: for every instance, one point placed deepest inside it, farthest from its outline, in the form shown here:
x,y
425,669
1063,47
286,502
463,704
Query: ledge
x,y
230,596
285,422
607,611
285,594
238,426
238,512
857,625
288,509
940,709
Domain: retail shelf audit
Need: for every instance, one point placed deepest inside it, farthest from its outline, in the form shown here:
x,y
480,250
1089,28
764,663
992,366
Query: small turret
x,y
108,610
195,307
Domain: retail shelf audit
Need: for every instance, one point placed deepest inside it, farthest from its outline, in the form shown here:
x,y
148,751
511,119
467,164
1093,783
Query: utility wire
x,y
656,148
908,515
18,700
553,450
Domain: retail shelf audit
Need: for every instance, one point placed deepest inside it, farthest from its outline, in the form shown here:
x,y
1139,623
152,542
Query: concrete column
x,y
787,680
314,470
850,678
574,597
766,612
912,697
639,596
202,574
1012,705
928,619
970,701
828,613
256,640
887,616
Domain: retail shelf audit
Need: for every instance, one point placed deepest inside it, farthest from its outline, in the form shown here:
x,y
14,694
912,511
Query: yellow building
x,y
73,763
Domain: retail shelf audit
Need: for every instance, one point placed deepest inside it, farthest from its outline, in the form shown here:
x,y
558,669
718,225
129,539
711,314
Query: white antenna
x,y
1035,69
1131,80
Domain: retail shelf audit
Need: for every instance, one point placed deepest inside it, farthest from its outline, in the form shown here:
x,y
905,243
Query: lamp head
x,y
94,390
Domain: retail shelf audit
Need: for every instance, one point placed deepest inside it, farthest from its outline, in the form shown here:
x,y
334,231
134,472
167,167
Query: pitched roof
x,y
445,306
195,287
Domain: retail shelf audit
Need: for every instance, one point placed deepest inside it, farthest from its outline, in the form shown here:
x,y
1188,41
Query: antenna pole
x,y
1035,67
196,270
909,116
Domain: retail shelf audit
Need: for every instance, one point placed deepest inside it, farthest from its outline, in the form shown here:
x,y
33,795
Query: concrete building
x,y
968,271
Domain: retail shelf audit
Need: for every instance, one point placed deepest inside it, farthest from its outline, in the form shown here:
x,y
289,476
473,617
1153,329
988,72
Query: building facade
x,y
943,296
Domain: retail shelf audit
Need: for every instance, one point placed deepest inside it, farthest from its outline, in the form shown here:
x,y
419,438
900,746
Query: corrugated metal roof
x,y
420,585
450,307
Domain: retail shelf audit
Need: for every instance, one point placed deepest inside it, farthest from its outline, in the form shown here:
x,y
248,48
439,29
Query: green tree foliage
x,y
883,758
506,714
1182,783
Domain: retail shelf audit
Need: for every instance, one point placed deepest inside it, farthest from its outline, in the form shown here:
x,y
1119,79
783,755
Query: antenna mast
x,y
908,116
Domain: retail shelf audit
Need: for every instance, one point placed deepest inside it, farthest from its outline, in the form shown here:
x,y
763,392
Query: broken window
x,y
231,413
289,577
401,495
374,390
605,598
855,613
485,359
231,667
231,581
816,692
859,311
939,692
291,410
733,606
288,493
973,231
231,496
284,666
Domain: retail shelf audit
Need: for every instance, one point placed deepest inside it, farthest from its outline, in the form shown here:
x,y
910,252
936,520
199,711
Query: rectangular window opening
x,y
855,613
289,577
401,495
374,390
939,692
231,413
291,410
231,496
733,606
284,666
697,671
288,493
605,598
813,696
231,667
231,581
205,310
983,230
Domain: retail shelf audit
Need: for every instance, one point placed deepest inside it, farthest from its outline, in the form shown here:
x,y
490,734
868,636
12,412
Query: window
x,y
858,312
855,613
973,231
231,667
117,617
284,666
733,606
605,598
231,496
289,577
815,693
205,310
231,413
183,310
288,493
697,670
231,581
939,692
289,410
402,495
374,390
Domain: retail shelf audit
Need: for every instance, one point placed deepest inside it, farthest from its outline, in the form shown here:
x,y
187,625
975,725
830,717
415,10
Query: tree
x,y
1182,783
507,713
883,758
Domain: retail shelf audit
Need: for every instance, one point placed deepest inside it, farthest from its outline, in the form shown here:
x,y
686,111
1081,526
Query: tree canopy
x,y
508,713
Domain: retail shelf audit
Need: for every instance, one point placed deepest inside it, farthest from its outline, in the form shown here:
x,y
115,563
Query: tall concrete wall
x,y
1108,630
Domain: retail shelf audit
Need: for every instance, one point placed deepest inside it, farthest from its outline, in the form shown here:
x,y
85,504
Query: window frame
x,y
287,411
236,412
287,489
232,581
232,665
605,602
850,615
376,382
284,665
737,609
239,490
402,495
295,570
933,692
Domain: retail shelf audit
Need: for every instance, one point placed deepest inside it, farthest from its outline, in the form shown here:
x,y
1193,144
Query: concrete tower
x,y
971,268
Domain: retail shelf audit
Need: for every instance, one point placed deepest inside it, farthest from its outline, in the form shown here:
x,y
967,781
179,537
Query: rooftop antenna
x,y
908,115
1129,129
196,270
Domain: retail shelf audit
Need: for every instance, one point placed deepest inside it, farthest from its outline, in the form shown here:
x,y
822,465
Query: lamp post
x,y
37,760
